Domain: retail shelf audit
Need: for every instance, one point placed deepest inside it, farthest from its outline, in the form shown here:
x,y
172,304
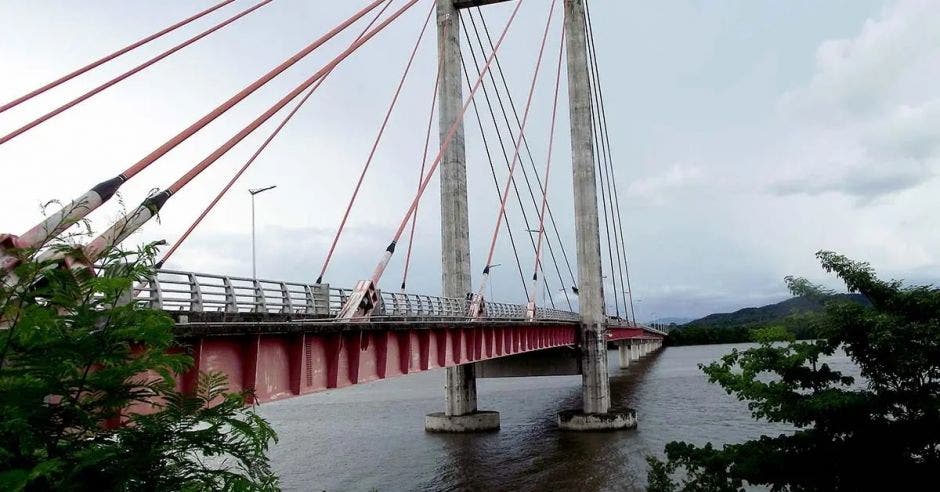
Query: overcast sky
x,y
746,136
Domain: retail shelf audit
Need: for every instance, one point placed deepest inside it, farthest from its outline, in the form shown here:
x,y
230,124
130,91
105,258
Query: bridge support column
x,y
460,384
595,413
623,350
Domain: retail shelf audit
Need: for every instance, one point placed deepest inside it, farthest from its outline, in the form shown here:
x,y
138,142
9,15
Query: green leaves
x,y
773,333
76,355
203,440
848,433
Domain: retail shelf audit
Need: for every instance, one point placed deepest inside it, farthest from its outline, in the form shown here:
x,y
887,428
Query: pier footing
x,y
576,420
479,421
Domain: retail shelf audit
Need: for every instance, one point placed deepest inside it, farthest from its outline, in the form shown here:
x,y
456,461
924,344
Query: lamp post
x,y
538,263
494,265
606,305
254,264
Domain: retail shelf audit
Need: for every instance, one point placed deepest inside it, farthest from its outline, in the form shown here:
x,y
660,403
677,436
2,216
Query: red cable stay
x,y
131,222
92,199
424,161
244,132
74,102
375,146
364,297
264,145
530,308
101,61
476,304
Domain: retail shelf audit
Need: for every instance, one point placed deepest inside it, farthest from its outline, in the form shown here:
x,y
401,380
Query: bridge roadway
x,y
283,340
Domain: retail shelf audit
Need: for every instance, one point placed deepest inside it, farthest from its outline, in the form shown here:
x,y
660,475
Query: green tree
x,y
772,333
87,390
705,335
879,433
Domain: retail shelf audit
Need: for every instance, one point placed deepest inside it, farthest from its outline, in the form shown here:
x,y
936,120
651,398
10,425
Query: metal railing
x,y
173,290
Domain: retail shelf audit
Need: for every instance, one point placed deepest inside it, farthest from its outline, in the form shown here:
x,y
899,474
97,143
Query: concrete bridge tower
x,y
595,389
460,385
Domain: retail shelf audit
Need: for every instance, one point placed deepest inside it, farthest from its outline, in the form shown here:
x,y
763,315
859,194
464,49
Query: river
x,y
371,436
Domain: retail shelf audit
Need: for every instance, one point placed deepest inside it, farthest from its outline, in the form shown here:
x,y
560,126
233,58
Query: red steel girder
x,y
280,364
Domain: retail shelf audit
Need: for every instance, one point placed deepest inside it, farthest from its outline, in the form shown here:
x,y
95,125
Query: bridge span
x,y
283,339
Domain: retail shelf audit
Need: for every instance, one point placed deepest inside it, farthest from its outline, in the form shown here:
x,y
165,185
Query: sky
x,y
746,136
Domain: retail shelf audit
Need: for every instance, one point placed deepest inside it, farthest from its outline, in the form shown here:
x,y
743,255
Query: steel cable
x,y
502,148
105,59
525,142
260,149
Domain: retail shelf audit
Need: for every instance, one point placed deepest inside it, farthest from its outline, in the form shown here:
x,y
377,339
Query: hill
x,y
673,320
754,316
793,315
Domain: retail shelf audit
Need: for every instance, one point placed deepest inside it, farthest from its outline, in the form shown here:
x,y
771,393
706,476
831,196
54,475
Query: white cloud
x,y
906,131
677,177
866,125
897,250
880,67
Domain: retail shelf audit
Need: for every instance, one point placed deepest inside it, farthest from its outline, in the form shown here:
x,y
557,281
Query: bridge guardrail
x,y
403,304
174,290
188,291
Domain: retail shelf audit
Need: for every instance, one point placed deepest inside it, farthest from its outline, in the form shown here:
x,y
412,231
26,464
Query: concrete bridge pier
x,y
595,413
460,383
623,350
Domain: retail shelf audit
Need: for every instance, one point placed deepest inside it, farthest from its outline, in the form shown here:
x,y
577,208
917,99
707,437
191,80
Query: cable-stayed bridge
x,y
287,339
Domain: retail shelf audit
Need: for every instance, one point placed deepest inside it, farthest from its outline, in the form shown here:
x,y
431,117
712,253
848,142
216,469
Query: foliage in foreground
x,y
882,432
87,398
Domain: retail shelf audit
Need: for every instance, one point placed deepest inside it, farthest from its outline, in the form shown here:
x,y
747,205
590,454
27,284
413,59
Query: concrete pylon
x,y
460,385
595,388
623,350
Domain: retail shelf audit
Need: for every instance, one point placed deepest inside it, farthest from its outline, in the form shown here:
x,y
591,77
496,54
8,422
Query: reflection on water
x,y
372,436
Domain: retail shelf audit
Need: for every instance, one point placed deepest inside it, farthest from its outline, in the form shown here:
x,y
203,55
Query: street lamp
x,y
628,295
607,307
491,267
254,265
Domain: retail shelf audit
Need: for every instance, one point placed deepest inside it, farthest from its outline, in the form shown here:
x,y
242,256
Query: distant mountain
x,y
671,320
767,314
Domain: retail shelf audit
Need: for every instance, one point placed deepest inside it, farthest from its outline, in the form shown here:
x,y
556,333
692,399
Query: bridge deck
x,y
282,357
283,339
